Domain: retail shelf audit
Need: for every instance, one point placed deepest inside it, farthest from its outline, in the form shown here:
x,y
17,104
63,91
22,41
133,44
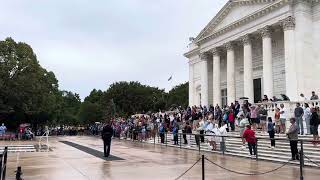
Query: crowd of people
x,y
218,121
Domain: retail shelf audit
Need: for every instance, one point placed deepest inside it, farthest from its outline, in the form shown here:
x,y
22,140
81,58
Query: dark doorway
x,y
257,89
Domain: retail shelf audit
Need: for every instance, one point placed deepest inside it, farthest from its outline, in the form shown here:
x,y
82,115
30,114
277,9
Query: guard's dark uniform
x,y
107,133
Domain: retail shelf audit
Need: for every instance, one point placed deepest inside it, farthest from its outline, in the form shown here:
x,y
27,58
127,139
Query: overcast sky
x,y
93,43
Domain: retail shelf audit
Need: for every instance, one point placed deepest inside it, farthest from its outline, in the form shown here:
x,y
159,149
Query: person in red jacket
x,y
250,137
231,118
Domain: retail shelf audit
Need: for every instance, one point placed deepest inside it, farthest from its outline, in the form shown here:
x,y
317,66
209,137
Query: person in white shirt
x,y
302,98
283,118
3,129
213,131
307,116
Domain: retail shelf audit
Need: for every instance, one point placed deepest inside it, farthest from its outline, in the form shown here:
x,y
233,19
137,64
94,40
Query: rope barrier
x,y
188,169
311,160
248,174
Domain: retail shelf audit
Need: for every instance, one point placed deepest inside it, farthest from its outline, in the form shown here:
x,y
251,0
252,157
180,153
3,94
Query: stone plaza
x,y
138,161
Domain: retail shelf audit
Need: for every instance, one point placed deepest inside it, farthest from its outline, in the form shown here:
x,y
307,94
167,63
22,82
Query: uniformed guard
x,y
107,133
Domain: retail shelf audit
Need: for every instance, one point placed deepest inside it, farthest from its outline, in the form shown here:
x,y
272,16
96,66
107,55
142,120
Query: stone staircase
x,y
18,148
233,145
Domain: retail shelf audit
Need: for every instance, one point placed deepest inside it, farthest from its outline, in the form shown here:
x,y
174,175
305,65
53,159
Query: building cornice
x,y
191,53
202,38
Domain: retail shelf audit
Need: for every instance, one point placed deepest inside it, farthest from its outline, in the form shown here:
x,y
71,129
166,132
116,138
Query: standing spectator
x,y
196,127
298,114
175,131
231,119
201,130
314,124
212,131
3,129
250,137
302,98
236,108
244,121
277,120
314,96
265,98
254,116
271,132
189,133
162,131
307,116
184,131
218,115
293,137
263,117
283,118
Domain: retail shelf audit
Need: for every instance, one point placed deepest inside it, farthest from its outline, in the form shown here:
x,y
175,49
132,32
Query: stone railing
x,y
289,105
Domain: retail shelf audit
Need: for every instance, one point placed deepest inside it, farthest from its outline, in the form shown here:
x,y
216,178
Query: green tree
x,y
178,96
91,109
26,89
132,97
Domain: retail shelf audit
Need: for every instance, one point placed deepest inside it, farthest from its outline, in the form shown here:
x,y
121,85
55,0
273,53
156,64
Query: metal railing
x,y
193,142
164,138
3,163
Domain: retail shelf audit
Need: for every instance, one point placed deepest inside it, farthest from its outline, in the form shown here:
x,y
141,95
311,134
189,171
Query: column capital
x,y
246,39
229,46
204,56
265,32
215,51
288,23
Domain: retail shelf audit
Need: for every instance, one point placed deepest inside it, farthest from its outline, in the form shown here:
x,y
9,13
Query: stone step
x,y
18,148
233,144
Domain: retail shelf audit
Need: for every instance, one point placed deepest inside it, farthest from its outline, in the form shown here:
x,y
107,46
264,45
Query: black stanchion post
x,y
5,162
257,150
222,145
199,146
180,140
203,176
166,138
1,162
154,138
301,160
18,173
301,151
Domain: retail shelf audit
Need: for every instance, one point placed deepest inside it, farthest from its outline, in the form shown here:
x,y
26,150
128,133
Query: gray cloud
x,y
91,44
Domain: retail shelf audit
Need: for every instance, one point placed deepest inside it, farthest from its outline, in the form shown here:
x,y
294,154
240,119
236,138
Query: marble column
x,y
247,68
267,61
191,85
216,77
204,79
288,25
231,83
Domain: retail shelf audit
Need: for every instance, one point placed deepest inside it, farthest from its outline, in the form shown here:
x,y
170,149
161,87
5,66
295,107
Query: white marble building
x,y
256,47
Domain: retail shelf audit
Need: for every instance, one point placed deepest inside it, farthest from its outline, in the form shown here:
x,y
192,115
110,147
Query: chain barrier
x,y
248,174
188,169
311,160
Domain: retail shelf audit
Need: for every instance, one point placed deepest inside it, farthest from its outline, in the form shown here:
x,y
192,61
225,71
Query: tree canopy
x,y
30,93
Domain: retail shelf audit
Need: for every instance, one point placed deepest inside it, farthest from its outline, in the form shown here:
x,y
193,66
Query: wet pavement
x,y
140,161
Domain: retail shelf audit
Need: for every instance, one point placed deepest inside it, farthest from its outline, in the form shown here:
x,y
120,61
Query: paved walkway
x,y
140,161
